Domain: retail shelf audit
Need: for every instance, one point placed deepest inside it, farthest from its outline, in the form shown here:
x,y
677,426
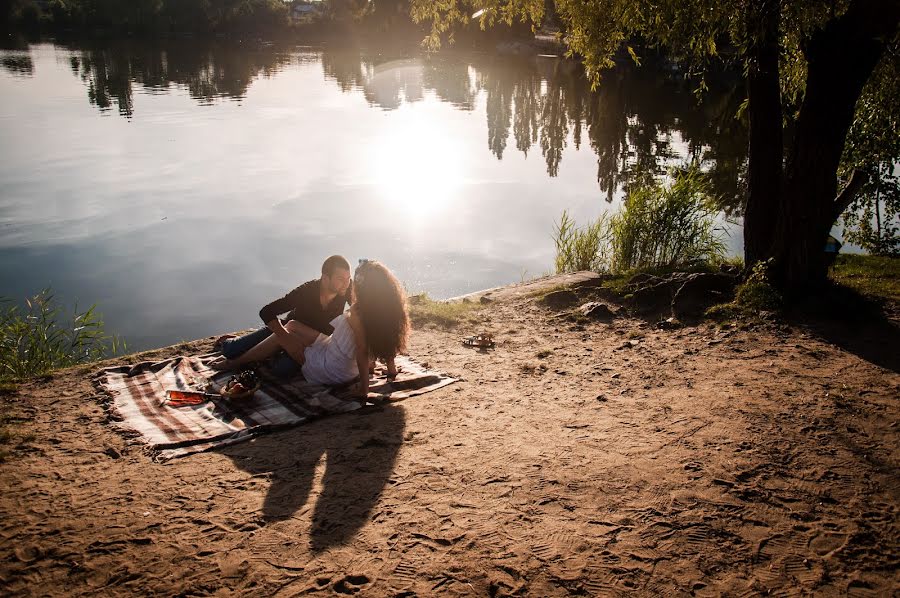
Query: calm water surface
x,y
181,186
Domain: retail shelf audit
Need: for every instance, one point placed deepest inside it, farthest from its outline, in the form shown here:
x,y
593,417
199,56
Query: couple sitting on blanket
x,y
320,339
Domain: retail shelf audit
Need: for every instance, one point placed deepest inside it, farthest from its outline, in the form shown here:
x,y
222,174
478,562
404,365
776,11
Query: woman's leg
x,y
262,350
306,334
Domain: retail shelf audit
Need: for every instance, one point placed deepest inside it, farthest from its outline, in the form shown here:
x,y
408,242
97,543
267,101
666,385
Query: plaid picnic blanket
x,y
139,402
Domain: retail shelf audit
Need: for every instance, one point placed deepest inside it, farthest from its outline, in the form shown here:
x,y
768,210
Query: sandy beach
x,y
576,458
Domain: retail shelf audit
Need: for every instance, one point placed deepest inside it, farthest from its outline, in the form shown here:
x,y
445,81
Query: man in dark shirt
x,y
315,303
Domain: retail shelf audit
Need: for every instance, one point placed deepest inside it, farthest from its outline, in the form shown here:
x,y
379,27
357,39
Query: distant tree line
x,y
146,16
265,17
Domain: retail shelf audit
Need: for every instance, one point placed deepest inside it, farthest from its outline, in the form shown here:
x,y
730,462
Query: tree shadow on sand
x,y
360,449
855,323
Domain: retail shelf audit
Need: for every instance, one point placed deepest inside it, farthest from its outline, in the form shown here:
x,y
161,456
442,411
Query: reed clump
x,y
583,248
659,227
42,337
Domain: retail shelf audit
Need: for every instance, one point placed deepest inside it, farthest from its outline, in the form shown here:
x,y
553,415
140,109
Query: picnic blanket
x,y
139,404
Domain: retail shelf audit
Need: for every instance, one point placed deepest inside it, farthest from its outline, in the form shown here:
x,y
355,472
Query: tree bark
x,y
840,60
765,149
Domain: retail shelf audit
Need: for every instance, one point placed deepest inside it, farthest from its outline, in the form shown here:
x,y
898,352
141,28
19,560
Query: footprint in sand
x,y
827,542
351,584
27,553
859,588
406,572
544,552
781,544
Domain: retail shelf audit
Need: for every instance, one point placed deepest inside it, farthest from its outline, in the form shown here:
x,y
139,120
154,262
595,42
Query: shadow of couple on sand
x,y
360,449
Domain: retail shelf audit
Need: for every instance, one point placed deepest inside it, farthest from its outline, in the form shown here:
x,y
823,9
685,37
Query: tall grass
x,y
581,248
663,226
659,227
42,337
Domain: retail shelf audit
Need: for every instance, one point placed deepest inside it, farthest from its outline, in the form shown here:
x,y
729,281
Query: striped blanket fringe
x,y
138,404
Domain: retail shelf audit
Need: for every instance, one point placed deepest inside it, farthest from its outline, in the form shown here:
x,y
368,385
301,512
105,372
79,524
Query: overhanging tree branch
x,y
848,193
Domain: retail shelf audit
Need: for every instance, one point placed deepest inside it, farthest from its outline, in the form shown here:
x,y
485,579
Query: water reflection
x,y
346,68
638,123
207,72
18,64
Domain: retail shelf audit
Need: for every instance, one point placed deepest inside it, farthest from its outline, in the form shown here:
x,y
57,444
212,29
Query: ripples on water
x,y
182,185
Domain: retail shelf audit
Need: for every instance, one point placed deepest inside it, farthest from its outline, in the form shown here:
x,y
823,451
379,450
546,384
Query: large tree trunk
x,y
840,60
766,144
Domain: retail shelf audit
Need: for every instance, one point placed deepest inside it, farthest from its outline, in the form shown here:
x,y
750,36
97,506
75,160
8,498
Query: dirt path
x,y
589,459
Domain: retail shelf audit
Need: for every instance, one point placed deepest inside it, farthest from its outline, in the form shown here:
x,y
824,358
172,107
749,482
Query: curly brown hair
x,y
381,304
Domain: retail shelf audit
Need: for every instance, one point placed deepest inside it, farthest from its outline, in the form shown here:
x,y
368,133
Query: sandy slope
x,y
695,461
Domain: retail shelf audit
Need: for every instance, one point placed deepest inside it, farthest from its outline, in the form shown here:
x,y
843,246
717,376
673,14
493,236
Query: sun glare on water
x,y
416,164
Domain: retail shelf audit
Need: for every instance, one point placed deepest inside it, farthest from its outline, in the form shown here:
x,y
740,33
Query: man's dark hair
x,y
335,262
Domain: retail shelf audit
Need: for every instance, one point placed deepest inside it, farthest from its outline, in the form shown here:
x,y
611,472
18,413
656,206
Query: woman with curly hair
x,y
375,327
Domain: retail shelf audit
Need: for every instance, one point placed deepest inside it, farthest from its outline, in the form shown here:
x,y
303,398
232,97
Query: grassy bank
x,y
870,275
425,312
41,336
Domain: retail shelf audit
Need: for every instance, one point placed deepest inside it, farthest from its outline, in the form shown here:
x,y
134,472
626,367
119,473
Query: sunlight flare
x,y
417,165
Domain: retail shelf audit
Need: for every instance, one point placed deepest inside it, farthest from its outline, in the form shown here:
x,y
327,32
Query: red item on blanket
x,y
185,398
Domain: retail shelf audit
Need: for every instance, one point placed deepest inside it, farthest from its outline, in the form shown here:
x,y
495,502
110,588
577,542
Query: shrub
x,y
42,338
659,228
754,295
666,226
581,248
757,292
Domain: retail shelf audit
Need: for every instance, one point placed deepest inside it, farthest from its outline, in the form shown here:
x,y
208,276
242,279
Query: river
x,y
180,185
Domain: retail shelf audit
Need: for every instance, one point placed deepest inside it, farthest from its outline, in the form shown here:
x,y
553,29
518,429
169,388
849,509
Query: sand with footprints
x,y
575,458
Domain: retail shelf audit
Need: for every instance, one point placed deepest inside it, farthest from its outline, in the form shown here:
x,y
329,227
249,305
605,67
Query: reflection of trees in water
x,y
388,80
207,71
108,77
608,131
632,121
18,64
450,82
346,68
554,127
527,99
724,142
499,109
